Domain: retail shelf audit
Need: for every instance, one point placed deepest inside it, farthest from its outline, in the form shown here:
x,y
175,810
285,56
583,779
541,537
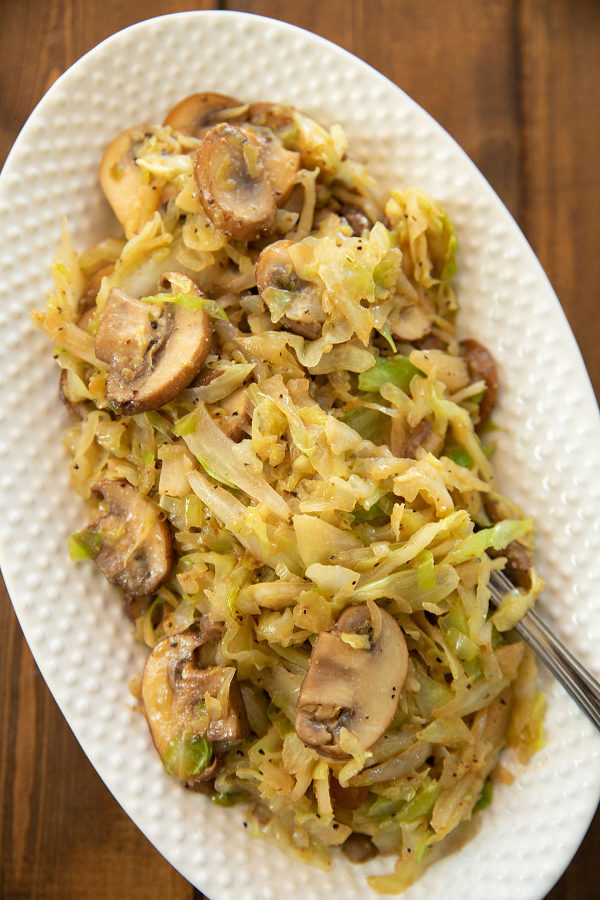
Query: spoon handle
x,y
576,680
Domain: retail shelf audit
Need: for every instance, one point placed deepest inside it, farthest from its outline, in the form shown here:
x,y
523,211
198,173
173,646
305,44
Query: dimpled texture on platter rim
x,y
546,460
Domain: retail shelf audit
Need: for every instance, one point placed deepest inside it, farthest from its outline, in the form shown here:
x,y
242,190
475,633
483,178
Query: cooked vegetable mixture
x,y
286,451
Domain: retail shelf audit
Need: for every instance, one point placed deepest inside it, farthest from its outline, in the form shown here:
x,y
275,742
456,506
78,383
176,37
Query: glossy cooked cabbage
x,y
287,451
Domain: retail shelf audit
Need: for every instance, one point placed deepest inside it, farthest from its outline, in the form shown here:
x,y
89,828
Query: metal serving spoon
x,y
576,680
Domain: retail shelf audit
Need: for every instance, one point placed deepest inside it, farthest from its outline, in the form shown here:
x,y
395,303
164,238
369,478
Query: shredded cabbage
x,y
309,465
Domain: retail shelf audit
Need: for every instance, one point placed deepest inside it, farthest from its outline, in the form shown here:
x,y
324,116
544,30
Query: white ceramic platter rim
x,y
547,457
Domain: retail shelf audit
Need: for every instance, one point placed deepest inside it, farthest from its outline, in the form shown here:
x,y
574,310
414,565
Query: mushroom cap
x,y
132,198
153,350
137,552
352,688
304,314
194,114
173,686
234,185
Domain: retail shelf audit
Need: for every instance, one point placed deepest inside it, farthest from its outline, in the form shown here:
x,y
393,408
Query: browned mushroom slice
x,y
88,298
194,114
84,320
153,350
137,550
518,558
430,342
275,116
237,417
518,563
234,185
482,367
359,848
133,199
356,219
405,441
187,705
354,679
204,782
136,606
348,798
499,507
205,377
303,314
281,165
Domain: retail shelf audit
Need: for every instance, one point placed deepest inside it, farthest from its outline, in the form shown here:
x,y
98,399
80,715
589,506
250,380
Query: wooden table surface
x,y
516,82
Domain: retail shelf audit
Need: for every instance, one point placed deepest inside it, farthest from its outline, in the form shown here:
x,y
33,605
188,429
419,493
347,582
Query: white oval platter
x,y
547,459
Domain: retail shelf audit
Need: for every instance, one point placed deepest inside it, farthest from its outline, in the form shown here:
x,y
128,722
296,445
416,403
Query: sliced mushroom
x,y
237,417
499,507
348,798
359,848
281,165
410,324
137,549
304,314
136,606
349,687
405,441
133,199
205,377
275,268
195,114
153,350
518,558
84,320
430,342
233,183
88,298
518,563
275,116
180,697
356,219
482,367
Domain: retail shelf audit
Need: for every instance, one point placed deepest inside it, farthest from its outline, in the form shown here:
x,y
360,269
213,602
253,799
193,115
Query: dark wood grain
x,y
516,83
560,91
62,833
